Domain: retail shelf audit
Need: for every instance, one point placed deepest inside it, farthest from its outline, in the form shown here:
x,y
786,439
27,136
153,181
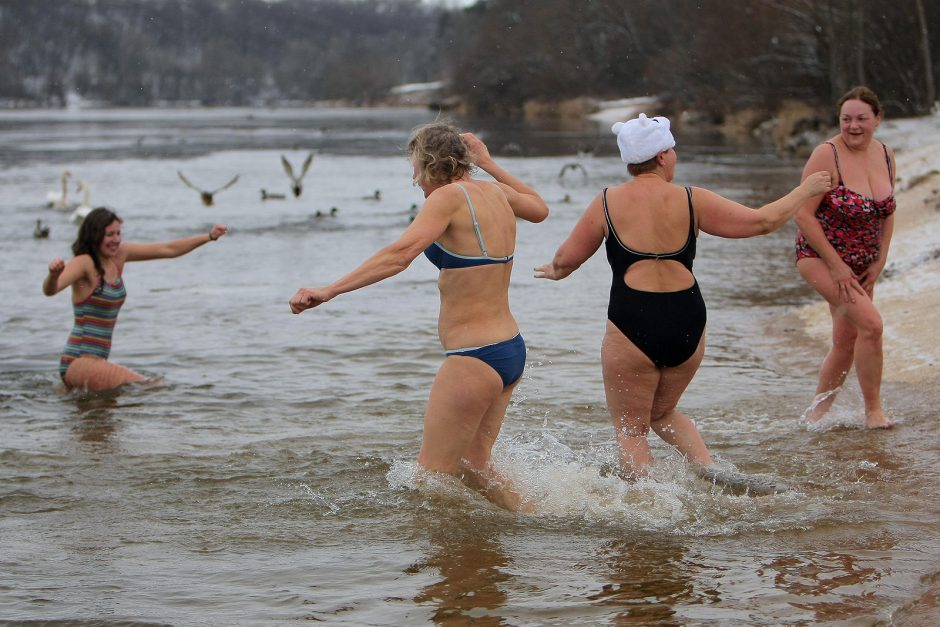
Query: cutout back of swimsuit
x,y
621,256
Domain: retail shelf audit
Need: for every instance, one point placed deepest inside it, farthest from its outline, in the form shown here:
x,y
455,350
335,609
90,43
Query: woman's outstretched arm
x,y
432,220
720,216
136,251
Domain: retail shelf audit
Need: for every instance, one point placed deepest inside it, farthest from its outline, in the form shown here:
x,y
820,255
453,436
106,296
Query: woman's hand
x,y
218,230
869,276
56,266
817,183
308,298
546,271
847,284
479,153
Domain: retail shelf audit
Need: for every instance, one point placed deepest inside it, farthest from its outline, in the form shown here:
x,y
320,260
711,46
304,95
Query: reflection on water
x,y
832,586
648,580
470,574
93,419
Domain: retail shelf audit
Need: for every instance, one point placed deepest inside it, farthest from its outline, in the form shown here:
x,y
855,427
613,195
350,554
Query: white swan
x,y
85,208
60,200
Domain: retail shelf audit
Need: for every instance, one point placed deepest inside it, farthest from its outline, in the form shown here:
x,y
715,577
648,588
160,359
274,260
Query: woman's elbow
x,y
399,260
769,225
541,215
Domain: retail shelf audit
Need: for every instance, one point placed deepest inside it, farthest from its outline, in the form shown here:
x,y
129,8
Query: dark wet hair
x,y
642,168
864,94
439,152
91,234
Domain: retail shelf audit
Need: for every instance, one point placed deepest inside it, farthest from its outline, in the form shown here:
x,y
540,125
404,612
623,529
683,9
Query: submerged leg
x,y
97,375
465,411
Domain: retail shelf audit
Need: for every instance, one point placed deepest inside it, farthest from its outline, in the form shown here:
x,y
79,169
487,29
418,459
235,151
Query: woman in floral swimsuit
x,y
842,247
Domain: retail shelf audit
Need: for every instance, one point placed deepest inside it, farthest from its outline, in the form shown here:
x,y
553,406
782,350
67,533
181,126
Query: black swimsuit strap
x,y
890,169
610,225
688,191
835,153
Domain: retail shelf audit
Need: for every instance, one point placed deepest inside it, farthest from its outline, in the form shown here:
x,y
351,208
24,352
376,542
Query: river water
x,y
268,477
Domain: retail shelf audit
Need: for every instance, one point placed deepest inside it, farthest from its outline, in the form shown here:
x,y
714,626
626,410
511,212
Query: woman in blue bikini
x,y
467,229
655,335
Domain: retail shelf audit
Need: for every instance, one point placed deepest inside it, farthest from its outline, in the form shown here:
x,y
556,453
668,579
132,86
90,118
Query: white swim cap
x,y
643,138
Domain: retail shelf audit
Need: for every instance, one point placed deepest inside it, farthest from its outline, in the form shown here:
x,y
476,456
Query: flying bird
x,y
573,167
207,197
296,185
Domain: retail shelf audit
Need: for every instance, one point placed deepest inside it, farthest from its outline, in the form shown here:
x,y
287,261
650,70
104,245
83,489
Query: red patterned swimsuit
x,y
853,223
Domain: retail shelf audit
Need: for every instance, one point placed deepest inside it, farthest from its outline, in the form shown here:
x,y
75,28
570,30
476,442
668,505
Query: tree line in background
x,y
495,56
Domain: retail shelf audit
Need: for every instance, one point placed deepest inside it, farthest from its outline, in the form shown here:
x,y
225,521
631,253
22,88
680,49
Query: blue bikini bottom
x,y
506,358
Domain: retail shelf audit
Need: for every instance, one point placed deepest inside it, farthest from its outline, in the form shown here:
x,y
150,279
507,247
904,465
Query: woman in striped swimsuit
x,y
94,275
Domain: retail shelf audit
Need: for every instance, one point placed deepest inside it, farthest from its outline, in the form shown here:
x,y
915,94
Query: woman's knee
x,y
871,329
660,413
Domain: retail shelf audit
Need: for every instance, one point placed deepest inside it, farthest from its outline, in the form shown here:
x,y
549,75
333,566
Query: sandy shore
x,y
907,295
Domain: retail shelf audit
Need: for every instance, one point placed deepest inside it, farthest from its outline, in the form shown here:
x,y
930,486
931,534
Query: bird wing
x,y
572,166
306,166
227,185
288,168
186,181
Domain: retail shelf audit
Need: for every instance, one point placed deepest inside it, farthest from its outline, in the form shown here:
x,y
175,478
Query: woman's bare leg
x,y
477,464
97,375
465,412
630,382
836,365
674,427
861,318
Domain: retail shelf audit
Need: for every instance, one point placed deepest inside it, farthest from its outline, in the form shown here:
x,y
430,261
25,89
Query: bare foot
x,y
821,405
497,487
877,420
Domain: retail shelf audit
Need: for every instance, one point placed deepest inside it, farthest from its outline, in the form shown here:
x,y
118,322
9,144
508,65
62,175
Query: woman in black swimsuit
x,y
655,335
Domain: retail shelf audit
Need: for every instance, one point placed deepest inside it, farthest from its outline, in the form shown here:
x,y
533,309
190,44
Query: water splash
x,y
676,498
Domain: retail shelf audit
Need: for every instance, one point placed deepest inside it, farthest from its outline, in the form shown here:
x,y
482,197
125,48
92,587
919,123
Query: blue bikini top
x,y
443,258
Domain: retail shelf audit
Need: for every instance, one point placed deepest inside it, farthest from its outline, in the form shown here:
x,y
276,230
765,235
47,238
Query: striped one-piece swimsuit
x,y
94,323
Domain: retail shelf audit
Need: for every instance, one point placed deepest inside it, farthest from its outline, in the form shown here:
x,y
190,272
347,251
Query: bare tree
x,y
929,88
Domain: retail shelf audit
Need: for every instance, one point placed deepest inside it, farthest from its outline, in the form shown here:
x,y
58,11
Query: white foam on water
x,y
557,482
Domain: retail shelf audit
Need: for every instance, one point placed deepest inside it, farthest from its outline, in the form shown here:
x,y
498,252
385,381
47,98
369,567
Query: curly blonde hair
x,y
439,152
